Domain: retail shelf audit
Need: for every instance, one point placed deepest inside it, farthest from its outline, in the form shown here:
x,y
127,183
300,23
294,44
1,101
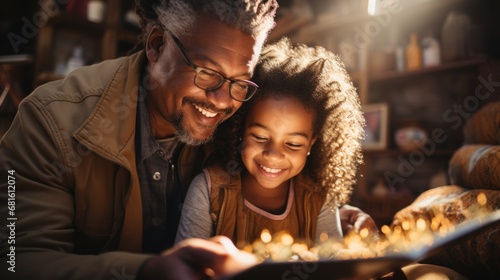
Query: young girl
x,y
288,158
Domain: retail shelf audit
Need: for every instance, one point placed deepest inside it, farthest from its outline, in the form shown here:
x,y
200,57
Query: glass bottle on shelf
x,y
76,60
400,58
413,53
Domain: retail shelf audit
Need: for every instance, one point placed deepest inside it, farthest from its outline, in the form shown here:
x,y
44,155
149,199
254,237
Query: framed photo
x,y
377,121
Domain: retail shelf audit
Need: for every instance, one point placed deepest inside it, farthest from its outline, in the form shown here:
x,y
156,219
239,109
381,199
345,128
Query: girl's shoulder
x,y
219,176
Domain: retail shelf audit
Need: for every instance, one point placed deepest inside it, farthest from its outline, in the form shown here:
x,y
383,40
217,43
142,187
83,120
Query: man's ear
x,y
154,43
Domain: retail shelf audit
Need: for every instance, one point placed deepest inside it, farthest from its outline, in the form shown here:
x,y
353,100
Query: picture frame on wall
x,y
376,129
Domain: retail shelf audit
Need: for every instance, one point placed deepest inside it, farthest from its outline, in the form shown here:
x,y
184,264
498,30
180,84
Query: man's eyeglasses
x,y
208,79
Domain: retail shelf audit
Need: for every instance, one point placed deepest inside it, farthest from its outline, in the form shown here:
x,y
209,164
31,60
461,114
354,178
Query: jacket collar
x,y
110,128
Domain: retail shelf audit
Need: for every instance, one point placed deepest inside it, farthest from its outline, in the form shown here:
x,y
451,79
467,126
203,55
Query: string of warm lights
x,y
410,234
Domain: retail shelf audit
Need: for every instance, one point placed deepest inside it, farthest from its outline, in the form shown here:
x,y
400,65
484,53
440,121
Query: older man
x,y
100,161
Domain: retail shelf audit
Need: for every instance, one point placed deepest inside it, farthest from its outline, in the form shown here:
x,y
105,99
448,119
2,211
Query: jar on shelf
x,y
410,135
431,51
454,35
96,10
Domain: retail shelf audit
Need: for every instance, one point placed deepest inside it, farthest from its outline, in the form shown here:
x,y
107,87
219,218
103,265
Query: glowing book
x,y
366,268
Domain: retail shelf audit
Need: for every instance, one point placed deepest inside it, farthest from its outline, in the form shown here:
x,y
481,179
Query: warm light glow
x,y
286,239
481,199
413,236
299,247
386,229
421,224
372,5
265,236
397,230
409,234
210,273
323,237
405,225
434,224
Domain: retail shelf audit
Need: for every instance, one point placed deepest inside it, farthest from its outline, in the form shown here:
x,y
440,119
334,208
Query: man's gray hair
x,y
253,17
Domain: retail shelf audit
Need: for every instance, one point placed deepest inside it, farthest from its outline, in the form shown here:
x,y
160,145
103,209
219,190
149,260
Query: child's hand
x,y
353,218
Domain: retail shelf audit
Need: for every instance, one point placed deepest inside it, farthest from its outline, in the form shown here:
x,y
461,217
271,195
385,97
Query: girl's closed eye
x,y
295,146
259,138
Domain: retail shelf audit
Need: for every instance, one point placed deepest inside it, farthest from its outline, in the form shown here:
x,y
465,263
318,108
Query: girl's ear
x,y
312,142
154,43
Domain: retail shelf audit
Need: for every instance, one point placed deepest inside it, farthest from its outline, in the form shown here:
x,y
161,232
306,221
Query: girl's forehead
x,y
282,112
280,105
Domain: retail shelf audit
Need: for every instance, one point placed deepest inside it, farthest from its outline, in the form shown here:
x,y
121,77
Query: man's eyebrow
x,y
215,64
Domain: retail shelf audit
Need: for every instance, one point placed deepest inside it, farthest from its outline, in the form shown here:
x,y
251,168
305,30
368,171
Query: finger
x,y
365,221
346,227
226,243
359,222
200,250
237,260
217,254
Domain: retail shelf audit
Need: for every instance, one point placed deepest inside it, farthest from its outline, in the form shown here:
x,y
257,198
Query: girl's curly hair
x,y
318,79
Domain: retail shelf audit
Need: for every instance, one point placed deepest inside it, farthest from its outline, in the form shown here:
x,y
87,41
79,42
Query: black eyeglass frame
x,y
252,87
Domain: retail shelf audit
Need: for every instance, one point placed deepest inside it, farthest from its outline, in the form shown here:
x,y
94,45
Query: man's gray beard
x,y
183,136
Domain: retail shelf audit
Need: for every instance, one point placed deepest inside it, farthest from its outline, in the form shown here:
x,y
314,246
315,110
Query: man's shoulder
x,y
103,91
84,82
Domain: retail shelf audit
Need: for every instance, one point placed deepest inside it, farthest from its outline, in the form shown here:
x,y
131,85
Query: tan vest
x,y
233,219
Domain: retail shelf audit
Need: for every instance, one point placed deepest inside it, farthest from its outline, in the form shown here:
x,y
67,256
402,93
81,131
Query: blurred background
x,y
421,67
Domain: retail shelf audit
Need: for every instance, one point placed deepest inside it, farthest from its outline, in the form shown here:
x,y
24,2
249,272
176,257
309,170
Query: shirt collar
x,y
147,144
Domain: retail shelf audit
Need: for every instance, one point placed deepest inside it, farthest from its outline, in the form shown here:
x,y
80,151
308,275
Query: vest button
x,y
160,153
156,176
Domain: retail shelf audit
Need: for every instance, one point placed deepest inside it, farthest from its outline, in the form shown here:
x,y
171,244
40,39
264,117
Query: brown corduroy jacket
x,y
71,150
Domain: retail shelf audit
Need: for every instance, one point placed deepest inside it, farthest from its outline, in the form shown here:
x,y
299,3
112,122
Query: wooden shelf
x,y
395,153
67,20
104,40
45,77
392,75
17,59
